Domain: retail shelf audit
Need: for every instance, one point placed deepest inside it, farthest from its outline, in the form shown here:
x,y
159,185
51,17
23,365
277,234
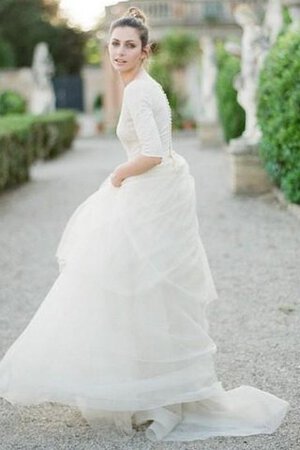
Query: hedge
x,y
231,114
59,129
279,114
25,138
12,102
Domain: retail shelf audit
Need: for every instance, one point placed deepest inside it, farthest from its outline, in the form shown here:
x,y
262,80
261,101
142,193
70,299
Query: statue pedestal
x,y
248,175
210,134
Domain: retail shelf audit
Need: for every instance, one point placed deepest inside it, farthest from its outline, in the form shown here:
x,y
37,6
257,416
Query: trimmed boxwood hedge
x,y
279,114
25,138
232,115
59,129
12,102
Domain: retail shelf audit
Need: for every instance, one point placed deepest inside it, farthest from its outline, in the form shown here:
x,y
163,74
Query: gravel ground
x,y
253,245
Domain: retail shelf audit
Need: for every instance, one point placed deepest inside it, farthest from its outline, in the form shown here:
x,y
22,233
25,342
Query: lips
x,y
119,61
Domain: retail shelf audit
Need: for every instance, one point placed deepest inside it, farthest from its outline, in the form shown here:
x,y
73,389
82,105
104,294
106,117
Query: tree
x,y
24,24
178,48
7,54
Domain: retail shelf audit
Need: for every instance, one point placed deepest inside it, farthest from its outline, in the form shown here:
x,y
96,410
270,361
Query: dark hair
x,y
134,18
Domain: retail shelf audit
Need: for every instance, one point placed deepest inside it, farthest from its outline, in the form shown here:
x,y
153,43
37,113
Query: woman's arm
x,y
135,166
137,99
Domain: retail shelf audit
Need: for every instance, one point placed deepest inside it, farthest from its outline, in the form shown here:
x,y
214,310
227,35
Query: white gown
x,y
122,334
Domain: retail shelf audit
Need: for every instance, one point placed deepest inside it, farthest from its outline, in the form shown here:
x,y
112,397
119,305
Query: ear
x,y
146,50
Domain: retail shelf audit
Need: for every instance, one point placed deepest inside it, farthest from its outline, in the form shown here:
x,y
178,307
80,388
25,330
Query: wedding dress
x,y
122,334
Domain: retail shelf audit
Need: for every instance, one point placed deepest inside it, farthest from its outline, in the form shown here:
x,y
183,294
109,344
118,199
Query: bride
x,y
122,334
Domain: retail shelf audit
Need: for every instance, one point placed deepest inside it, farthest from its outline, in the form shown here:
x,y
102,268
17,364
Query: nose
x,y
120,51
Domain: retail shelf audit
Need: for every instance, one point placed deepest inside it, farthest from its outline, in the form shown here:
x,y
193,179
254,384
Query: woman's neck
x,y
127,78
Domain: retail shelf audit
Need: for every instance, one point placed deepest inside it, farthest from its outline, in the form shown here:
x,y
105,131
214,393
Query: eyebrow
x,y
128,40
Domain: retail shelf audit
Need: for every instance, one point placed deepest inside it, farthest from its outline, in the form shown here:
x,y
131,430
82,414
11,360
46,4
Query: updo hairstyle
x,y
134,18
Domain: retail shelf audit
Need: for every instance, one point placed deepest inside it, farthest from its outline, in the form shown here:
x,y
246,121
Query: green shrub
x,y
15,150
175,50
98,102
26,138
178,48
59,129
279,114
232,115
11,102
160,72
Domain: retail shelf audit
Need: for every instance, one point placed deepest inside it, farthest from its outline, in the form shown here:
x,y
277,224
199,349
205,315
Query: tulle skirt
x,y
122,334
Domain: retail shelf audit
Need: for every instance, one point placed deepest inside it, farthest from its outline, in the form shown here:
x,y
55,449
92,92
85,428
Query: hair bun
x,y
136,13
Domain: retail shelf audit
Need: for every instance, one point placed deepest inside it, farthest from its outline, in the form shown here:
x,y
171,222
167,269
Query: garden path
x,y
253,245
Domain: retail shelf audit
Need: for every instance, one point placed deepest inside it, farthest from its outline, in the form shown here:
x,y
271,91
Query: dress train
x,y
122,333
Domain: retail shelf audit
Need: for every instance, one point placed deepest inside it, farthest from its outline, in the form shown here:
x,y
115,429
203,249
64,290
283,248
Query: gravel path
x,y
253,245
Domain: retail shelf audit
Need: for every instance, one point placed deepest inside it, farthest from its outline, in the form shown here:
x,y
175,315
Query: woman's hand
x,y
116,179
136,166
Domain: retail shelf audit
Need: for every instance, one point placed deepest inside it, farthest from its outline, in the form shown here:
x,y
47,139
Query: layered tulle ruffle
x,y
122,333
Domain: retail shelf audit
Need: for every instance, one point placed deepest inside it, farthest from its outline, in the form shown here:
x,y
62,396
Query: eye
x,y
114,43
131,45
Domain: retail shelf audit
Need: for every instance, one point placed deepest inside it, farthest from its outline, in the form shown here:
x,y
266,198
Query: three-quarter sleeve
x,y
139,106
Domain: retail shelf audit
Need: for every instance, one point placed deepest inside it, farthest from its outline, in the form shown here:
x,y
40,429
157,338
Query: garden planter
x,y
248,175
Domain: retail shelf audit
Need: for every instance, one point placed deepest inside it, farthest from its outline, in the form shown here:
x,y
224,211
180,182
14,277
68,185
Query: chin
x,y
119,69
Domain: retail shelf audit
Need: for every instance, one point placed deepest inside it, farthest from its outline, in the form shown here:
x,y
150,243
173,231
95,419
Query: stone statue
x,y
43,98
208,81
248,173
253,46
273,20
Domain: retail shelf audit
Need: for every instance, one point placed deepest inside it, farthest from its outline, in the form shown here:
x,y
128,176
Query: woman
x,y
122,334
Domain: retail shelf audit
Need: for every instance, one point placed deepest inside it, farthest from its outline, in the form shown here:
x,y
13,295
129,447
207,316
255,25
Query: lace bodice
x,y
145,124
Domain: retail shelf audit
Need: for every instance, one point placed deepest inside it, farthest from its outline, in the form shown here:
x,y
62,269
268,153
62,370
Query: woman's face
x,y
125,49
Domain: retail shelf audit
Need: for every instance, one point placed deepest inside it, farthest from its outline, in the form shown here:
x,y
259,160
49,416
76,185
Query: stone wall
x,y
20,80
93,85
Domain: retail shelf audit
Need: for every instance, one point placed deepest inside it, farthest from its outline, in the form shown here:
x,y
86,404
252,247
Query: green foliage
x,y
286,16
11,102
161,73
25,138
16,153
92,52
98,101
7,55
25,23
232,115
174,52
279,114
67,46
178,48
59,130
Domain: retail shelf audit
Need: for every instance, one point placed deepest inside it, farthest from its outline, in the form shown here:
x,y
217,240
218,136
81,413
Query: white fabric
x,y
145,121
122,333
